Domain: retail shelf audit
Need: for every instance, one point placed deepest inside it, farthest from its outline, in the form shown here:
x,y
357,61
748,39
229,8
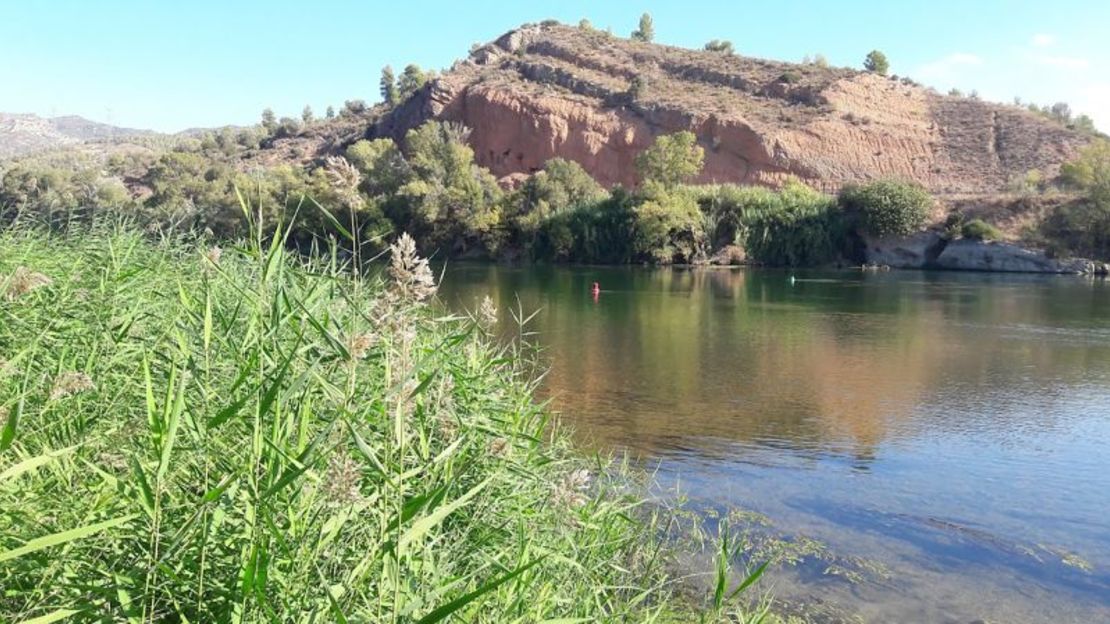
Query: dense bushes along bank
x,y
432,188
206,435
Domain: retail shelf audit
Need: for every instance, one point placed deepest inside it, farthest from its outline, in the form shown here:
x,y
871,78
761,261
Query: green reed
x,y
196,434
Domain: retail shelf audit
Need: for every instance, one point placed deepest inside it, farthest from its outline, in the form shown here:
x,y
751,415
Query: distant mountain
x,y
22,134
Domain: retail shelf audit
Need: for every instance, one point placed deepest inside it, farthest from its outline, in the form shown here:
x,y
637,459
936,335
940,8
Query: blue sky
x,y
173,65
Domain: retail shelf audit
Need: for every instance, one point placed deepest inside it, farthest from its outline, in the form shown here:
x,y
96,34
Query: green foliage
x,y
353,107
796,226
888,207
330,113
1079,228
287,127
1082,227
876,62
388,86
977,229
723,46
412,79
269,121
382,166
586,25
668,226
599,232
59,195
1090,172
246,436
671,159
646,31
451,202
1061,113
307,116
636,87
560,186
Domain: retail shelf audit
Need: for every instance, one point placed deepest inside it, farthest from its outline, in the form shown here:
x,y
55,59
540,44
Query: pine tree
x,y
388,86
306,115
646,32
269,120
876,62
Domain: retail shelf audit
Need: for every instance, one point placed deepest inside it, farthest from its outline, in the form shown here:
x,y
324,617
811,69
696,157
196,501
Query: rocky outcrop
x,y
930,250
541,92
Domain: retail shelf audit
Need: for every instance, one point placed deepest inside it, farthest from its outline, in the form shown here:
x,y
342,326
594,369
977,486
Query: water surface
x,y
944,436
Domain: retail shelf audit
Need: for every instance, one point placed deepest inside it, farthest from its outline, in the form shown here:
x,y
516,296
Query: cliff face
x,y
556,91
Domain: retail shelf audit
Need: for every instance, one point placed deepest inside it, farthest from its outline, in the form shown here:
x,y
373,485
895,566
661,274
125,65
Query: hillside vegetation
x,y
553,144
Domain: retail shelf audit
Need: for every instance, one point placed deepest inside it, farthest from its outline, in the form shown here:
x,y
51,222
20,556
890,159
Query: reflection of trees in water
x,y
834,363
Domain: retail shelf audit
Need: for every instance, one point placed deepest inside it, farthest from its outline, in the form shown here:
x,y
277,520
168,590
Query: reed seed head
x,y
344,178
341,480
487,313
499,447
23,281
411,274
71,383
213,255
359,345
569,492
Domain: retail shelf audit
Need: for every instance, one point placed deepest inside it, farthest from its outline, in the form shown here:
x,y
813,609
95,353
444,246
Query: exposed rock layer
x,y
556,91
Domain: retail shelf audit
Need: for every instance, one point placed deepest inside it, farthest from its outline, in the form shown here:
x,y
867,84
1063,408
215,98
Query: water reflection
x,y
975,401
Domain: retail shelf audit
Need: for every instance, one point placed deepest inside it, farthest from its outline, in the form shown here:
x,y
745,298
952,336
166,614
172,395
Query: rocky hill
x,y
22,134
540,92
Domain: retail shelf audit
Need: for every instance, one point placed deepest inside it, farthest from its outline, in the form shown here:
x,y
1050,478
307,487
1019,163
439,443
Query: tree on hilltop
x,y
876,62
388,85
646,31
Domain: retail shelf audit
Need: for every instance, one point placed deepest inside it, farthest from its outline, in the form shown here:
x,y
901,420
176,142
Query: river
x,y
936,446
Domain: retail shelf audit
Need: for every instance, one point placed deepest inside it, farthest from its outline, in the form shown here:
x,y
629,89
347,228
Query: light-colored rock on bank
x,y
929,250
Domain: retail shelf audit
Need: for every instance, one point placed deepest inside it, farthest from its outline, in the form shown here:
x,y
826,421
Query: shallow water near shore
x,y
942,437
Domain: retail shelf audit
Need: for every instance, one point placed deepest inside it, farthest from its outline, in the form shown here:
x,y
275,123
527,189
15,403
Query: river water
x,y
935,446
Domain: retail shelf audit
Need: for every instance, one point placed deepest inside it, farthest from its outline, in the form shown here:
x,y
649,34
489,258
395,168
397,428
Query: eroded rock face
x,y
971,255
929,250
557,91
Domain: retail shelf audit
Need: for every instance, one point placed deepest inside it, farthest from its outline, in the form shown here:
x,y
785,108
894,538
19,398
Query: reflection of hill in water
x,y
836,363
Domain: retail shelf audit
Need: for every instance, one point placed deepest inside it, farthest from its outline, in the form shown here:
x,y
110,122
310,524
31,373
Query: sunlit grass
x,y
203,435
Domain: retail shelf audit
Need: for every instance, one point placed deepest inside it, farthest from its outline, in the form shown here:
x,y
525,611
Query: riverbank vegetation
x,y
206,434
1082,227
431,186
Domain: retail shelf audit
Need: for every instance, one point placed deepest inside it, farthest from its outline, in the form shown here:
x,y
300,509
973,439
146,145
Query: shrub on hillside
x,y
671,159
888,207
980,230
1081,228
1090,172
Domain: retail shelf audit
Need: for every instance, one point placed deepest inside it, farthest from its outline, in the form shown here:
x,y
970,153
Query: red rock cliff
x,y
556,91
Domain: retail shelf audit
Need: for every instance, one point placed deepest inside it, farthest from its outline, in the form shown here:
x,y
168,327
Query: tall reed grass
x,y
196,434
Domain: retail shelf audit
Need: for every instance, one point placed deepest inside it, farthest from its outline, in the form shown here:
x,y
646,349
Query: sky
x,y
169,66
